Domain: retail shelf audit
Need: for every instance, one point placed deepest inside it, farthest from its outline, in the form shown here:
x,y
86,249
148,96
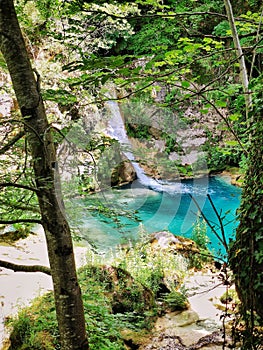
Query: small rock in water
x,y
175,319
208,324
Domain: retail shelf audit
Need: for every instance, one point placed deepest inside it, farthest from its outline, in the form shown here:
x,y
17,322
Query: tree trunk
x,y
246,257
69,306
240,56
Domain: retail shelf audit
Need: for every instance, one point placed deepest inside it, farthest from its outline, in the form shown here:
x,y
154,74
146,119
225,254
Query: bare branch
x,y
12,142
25,268
219,220
231,129
12,184
240,56
221,239
165,15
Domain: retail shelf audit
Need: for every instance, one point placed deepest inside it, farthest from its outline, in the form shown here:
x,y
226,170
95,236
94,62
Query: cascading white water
x,y
116,129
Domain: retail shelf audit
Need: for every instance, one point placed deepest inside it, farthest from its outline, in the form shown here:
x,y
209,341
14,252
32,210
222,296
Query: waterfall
x,y
116,129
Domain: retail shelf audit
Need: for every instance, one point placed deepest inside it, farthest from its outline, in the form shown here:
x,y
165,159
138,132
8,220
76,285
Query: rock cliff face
x,y
164,145
123,173
170,146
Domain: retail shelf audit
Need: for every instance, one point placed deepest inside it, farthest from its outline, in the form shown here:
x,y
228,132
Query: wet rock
x,y
183,338
175,319
166,341
208,324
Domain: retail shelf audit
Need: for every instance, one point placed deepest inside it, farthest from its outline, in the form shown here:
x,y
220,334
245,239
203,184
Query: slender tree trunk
x,y
240,56
69,306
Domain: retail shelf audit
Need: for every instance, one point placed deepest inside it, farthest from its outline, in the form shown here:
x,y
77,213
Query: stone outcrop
x,y
126,294
178,244
181,329
123,173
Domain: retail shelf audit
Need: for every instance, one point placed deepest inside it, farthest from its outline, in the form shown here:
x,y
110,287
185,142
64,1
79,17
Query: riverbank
x,y
232,175
18,289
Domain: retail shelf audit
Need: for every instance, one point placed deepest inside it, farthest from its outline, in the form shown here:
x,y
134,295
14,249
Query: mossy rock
x,y
165,240
175,301
22,339
13,236
134,339
124,292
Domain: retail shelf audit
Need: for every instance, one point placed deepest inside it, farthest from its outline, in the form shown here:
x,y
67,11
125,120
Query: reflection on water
x,y
111,217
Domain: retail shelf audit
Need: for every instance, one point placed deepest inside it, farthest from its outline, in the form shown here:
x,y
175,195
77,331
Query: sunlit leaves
x,y
232,143
185,84
213,43
60,96
221,104
234,117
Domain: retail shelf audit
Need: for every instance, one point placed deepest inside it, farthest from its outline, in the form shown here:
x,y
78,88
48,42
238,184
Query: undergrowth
x,y
36,326
112,305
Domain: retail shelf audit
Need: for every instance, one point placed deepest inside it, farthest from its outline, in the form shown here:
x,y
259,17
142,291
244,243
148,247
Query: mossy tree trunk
x,y
246,256
69,306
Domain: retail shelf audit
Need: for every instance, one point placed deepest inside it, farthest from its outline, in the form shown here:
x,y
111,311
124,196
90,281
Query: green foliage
x,y
60,96
17,202
230,296
155,35
222,28
138,131
34,17
36,327
230,153
17,231
2,63
246,252
142,47
175,301
114,299
199,235
171,144
151,267
130,304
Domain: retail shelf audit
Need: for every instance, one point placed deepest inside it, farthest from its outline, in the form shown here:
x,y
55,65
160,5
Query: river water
x,y
116,215
112,217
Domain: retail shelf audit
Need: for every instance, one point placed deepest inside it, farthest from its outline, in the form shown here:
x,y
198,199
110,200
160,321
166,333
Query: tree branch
x,y
222,229
25,268
25,207
257,40
231,129
157,15
12,142
18,221
221,239
11,184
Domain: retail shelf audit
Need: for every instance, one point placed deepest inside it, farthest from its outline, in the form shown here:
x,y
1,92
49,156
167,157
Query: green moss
x,y
175,301
13,236
113,301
